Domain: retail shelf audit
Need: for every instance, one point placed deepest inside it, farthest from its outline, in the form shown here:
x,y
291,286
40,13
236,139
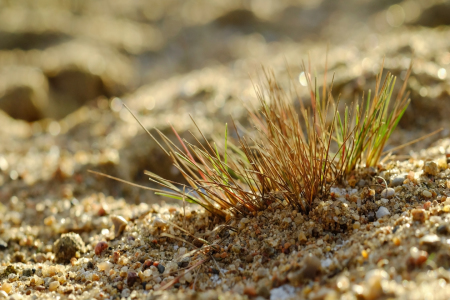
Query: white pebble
x,y
104,266
373,283
126,293
326,263
382,211
245,220
427,194
159,223
388,193
53,285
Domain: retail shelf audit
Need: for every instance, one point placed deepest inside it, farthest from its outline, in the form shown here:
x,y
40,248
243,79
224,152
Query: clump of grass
x,y
371,123
288,158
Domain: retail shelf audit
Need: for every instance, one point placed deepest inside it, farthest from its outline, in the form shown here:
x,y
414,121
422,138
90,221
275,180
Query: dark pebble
x,y
183,264
18,257
371,219
395,229
90,265
160,268
27,272
442,229
176,285
131,278
3,245
215,271
67,246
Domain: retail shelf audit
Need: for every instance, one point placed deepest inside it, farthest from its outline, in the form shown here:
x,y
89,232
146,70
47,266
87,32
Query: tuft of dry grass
x,y
288,157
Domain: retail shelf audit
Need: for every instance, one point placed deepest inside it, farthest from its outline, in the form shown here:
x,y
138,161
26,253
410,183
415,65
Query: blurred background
x,y
67,65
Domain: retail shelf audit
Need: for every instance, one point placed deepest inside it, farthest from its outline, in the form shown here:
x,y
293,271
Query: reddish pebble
x,y
116,256
147,264
427,205
101,211
250,291
423,256
100,247
156,263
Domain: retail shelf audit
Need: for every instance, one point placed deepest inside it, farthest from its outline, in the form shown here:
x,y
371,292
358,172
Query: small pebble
x,y
116,256
188,277
236,249
105,266
6,287
67,246
160,268
159,223
3,295
418,215
131,278
430,240
40,258
126,293
388,193
147,264
427,194
397,181
250,291
442,229
382,211
100,247
311,266
430,168
302,237
343,283
373,284
53,286
119,225
3,245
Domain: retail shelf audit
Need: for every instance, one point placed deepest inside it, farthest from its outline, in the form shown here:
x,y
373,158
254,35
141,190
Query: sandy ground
x,y
63,66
